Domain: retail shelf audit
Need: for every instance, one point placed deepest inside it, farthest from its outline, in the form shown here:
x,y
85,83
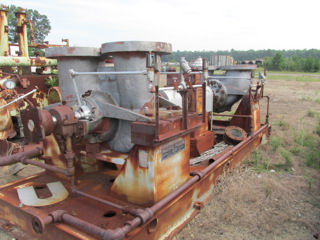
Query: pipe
x,y
105,234
64,171
70,157
204,86
18,157
156,105
24,157
143,215
132,211
191,73
267,114
4,42
218,76
184,95
73,73
227,115
22,33
19,98
172,88
11,61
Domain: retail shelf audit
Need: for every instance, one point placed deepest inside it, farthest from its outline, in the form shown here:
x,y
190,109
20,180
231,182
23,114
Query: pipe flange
x,y
234,134
38,225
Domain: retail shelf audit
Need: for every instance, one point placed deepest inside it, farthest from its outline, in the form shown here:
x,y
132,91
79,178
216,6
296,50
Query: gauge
x,y
10,84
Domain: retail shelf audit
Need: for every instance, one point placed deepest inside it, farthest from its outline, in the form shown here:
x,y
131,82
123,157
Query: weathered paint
x,y
170,219
147,180
4,46
23,61
6,125
22,33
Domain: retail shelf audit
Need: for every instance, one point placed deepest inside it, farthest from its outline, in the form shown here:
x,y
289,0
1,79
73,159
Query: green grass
x,y
309,144
283,124
275,142
301,145
310,99
259,163
52,81
298,78
313,114
291,72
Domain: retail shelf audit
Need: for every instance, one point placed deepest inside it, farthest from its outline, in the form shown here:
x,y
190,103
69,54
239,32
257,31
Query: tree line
x,y
307,60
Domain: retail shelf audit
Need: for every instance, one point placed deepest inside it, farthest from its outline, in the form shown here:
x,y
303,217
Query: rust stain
x,y
71,50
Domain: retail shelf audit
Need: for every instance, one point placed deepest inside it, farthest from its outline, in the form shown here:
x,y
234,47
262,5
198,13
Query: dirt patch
x,y
248,205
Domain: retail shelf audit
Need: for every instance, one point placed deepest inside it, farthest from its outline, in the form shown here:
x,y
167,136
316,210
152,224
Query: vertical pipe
x,y
70,156
157,114
4,46
184,95
22,33
204,86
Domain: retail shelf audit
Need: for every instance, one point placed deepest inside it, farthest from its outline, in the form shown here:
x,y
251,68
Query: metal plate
x,y
28,195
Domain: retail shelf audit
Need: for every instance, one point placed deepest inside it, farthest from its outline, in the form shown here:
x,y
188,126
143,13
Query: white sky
x,y
187,24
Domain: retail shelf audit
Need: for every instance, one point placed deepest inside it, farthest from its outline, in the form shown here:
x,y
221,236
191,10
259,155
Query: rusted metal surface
x,y
149,188
17,76
22,32
54,95
235,134
6,125
4,45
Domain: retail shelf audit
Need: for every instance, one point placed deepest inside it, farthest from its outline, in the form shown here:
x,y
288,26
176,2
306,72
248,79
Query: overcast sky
x,y
187,24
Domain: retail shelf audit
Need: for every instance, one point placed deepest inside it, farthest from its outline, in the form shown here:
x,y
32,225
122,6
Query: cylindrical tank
x,y
133,90
81,59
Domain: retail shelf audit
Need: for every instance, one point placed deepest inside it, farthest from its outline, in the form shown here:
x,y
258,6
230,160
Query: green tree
x,y
277,62
308,65
41,24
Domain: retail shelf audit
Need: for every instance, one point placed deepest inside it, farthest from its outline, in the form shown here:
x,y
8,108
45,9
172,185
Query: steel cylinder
x,y
133,90
80,59
131,56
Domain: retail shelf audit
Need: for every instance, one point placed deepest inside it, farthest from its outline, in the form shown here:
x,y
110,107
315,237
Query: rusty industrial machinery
x,y
23,79
131,152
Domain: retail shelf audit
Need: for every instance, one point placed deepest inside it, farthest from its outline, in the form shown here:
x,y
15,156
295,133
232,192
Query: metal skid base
x,y
178,208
